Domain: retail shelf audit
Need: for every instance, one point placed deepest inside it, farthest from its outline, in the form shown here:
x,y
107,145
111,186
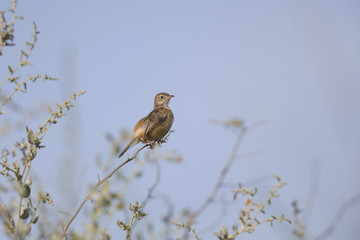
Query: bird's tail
x,y
127,147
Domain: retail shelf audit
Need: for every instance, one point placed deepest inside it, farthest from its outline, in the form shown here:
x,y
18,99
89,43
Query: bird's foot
x,y
151,144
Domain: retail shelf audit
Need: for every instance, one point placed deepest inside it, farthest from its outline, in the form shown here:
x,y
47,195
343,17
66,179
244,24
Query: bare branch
x,y
314,189
219,183
338,217
221,177
64,233
152,188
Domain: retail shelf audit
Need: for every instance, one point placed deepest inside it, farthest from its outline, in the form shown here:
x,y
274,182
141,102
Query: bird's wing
x,y
142,127
151,122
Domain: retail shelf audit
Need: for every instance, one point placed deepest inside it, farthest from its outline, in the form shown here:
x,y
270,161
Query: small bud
x,y
25,214
30,135
35,219
16,167
24,190
32,153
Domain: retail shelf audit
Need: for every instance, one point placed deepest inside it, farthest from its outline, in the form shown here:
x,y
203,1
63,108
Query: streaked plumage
x,y
155,125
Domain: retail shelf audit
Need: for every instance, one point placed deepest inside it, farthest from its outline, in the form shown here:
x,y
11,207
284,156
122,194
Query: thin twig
x,y
224,171
221,177
152,188
248,183
218,220
339,215
64,233
63,212
18,218
128,232
314,189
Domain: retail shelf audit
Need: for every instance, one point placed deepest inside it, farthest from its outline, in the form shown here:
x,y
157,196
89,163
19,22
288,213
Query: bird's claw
x,y
151,144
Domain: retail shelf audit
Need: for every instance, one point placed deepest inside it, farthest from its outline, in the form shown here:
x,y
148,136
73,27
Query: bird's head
x,y
162,99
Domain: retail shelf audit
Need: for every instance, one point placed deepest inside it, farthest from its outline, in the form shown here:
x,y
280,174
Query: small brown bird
x,y
155,125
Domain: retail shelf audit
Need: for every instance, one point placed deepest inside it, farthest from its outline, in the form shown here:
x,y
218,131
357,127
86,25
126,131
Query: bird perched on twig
x,y
155,125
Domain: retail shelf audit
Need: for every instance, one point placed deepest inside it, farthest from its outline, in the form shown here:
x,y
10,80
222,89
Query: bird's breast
x,y
161,126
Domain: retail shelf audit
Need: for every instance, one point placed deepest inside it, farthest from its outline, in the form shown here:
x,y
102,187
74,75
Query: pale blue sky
x,y
293,63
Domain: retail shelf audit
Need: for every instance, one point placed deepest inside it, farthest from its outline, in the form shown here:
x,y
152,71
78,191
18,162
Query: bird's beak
x,y
171,96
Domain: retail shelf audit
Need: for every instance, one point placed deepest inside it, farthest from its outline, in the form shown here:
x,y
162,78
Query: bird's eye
x,y
162,96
